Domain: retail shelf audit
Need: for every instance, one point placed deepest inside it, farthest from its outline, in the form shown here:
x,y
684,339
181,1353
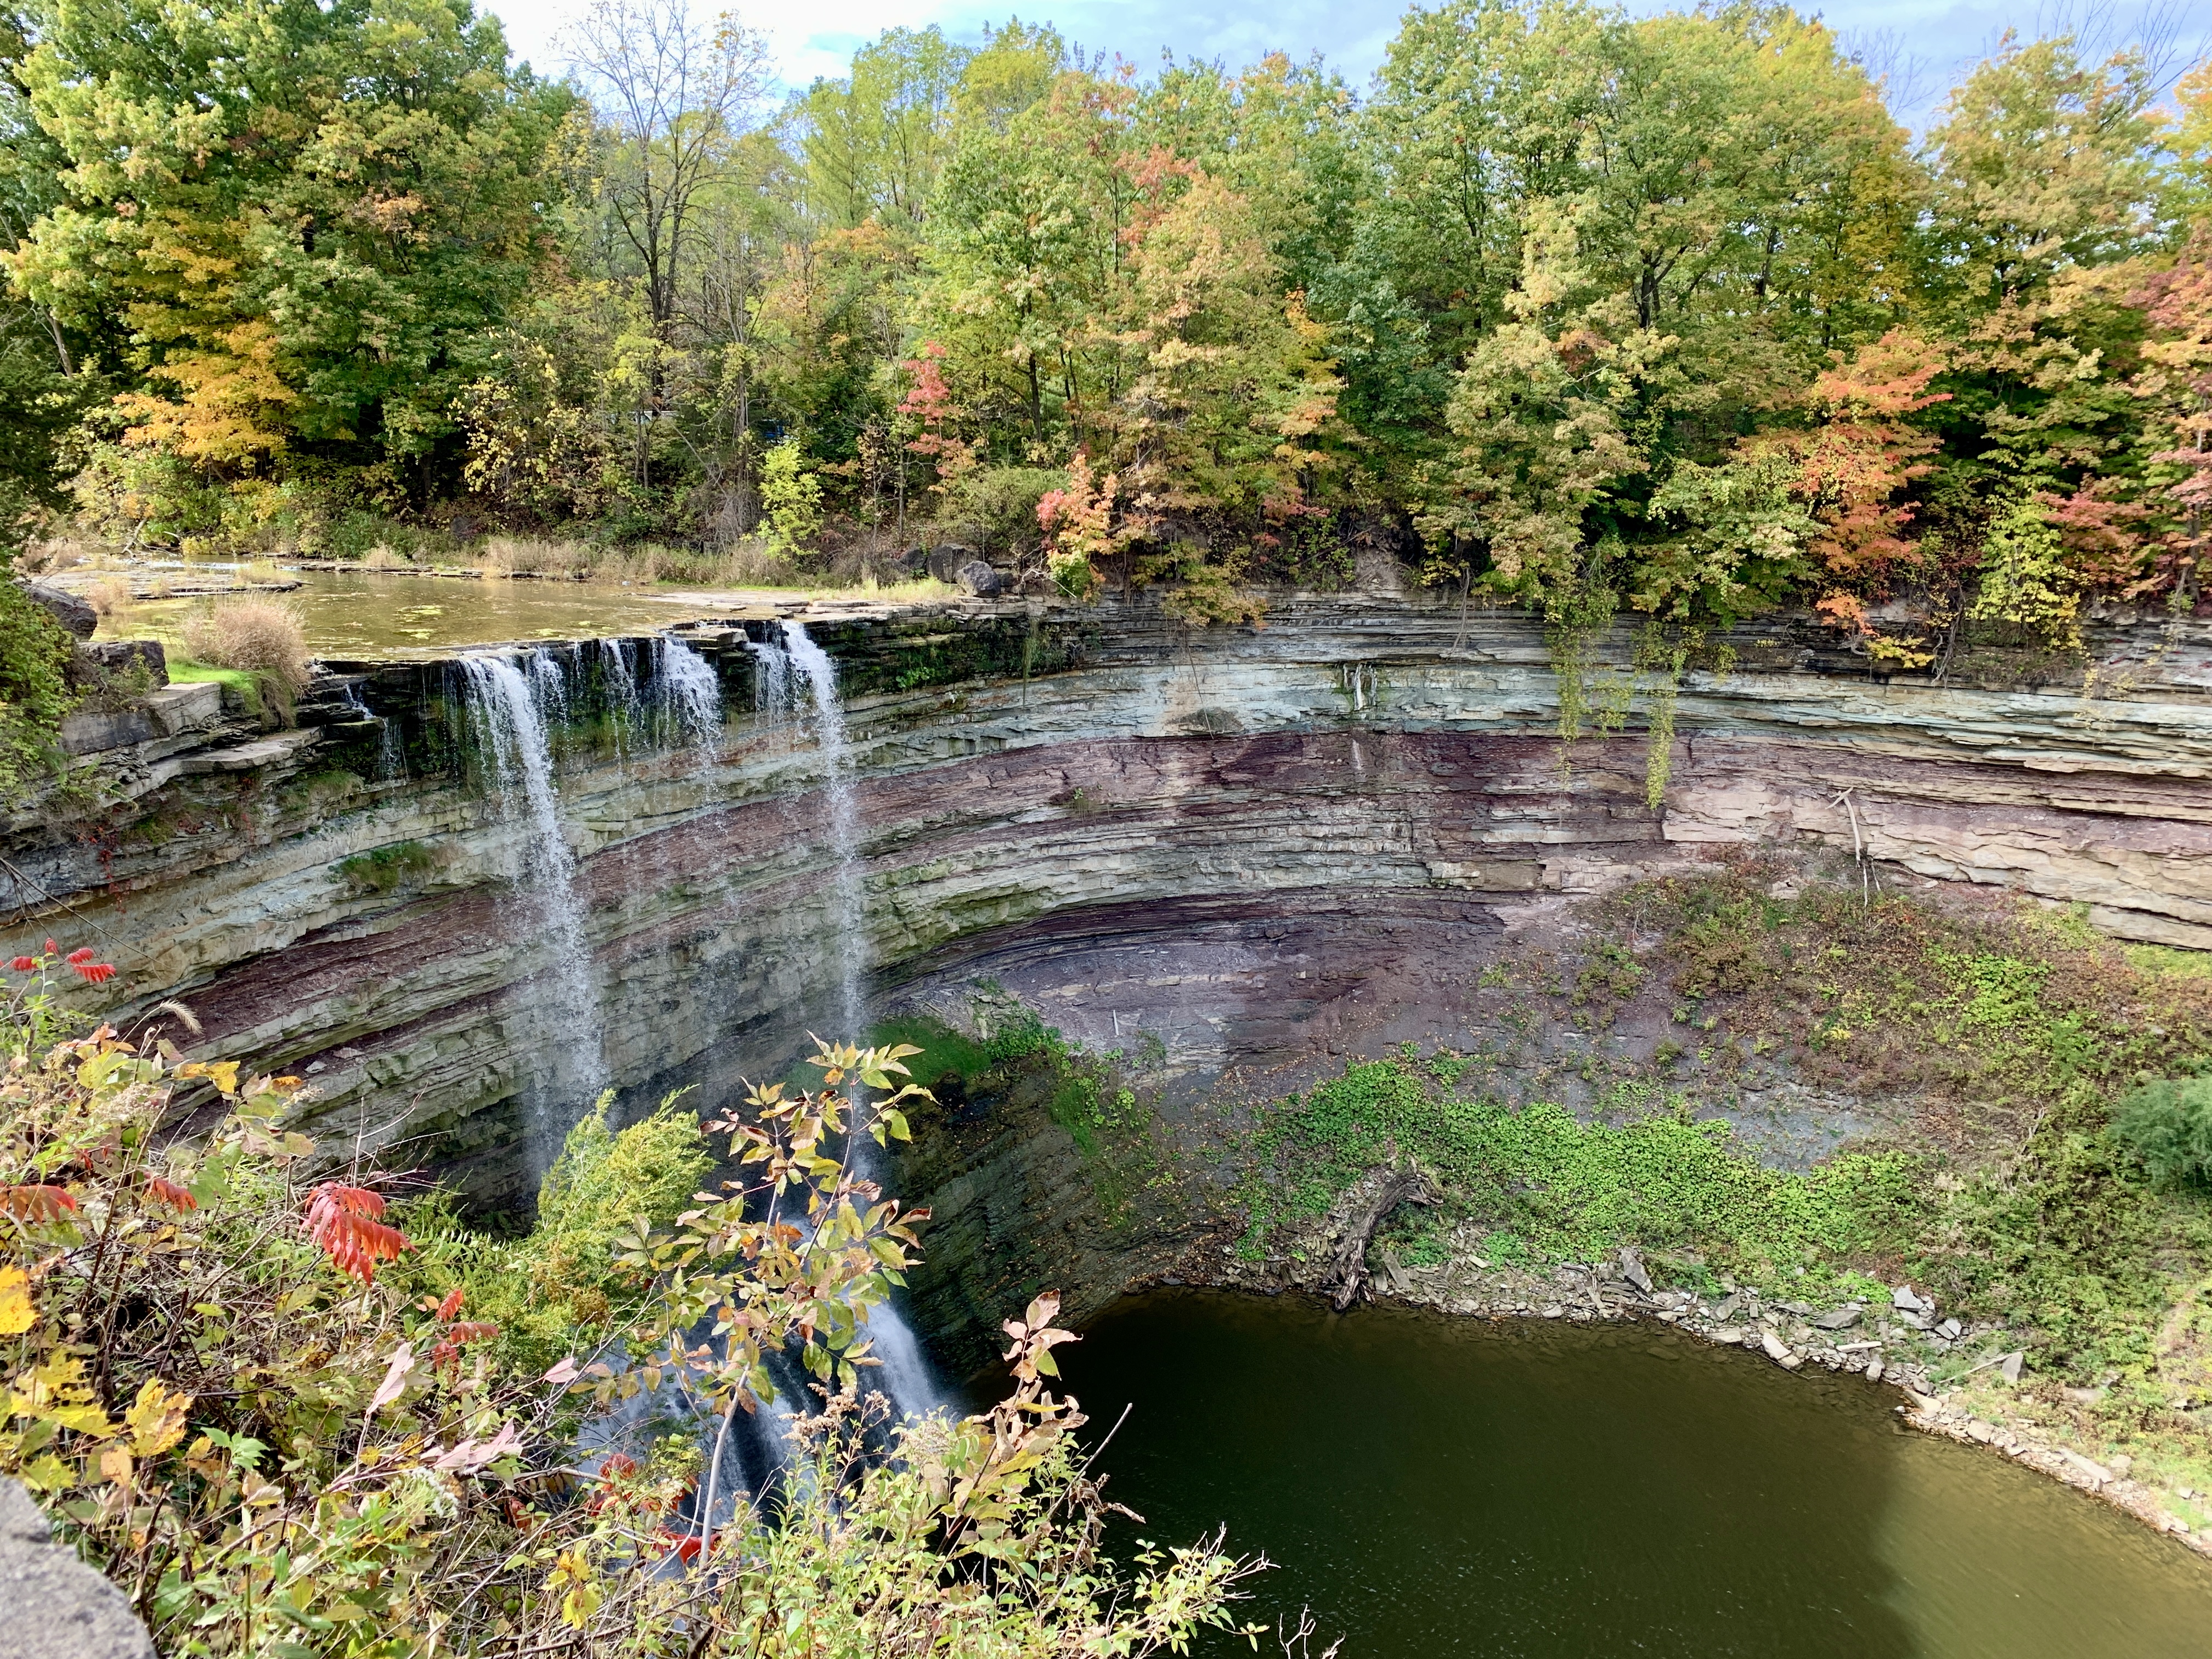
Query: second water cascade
x,y
904,1373
659,698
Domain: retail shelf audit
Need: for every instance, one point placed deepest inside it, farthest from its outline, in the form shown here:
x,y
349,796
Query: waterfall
x,y
619,686
509,713
904,1376
772,685
687,697
847,939
391,759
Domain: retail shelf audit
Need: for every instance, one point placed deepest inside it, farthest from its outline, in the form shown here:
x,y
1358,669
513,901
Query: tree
x,y
2041,163
876,140
674,94
303,218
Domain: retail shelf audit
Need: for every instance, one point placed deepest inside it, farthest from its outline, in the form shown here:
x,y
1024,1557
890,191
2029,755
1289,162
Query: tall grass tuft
x,y
265,637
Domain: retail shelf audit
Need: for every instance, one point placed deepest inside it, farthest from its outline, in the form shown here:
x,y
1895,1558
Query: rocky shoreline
x,y
1893,1346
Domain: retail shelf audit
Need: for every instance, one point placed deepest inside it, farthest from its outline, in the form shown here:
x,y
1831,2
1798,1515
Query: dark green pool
x,y
1433,1486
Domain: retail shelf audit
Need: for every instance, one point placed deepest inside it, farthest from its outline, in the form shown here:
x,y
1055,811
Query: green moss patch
x,y
1545,1186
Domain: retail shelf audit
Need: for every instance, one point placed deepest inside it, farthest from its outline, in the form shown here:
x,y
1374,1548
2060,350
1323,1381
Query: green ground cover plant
x,y
1546,1186
1013,1057
2045,1175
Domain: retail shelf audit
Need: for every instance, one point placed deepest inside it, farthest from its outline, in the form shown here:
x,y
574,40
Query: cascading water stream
x,y
904,1373
772,686
670,698
848,940
391,759
507,714
687,698
619,686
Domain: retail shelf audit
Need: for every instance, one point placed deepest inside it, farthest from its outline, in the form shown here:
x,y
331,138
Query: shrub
x,y
300,1435
382,557
34,692
2169,1123
265,637
1002,503
108,595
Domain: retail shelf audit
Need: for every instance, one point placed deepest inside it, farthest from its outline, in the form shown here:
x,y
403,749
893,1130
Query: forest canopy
x,y
1665,315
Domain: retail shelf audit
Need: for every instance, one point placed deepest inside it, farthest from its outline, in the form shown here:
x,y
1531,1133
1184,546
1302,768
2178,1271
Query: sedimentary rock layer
x,y
1217,836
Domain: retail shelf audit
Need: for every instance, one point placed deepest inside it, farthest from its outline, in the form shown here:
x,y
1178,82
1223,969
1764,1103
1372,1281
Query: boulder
x,y
71,612
979,581
945,560
1632,1269
117,658
58,1607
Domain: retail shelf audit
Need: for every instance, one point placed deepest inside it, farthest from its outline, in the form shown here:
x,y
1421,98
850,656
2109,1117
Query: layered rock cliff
x,y
1253,844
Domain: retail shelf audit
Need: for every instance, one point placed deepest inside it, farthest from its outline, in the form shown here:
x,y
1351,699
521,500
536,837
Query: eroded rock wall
x,y
1227,838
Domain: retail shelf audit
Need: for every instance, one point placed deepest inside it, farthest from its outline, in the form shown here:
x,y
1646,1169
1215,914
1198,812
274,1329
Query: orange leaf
x,y
342,1219
36,1203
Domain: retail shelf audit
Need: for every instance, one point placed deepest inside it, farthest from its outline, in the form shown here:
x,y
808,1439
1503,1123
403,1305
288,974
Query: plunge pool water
x,y
1537,1491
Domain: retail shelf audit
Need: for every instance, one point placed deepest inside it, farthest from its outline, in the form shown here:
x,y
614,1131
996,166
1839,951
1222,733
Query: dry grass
x,y
43,558
109,597
733,564
261,570
262,636
508,555
381,557
747,562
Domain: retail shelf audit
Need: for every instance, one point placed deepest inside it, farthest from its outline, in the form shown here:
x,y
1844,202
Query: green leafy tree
x,y
303,220
792,497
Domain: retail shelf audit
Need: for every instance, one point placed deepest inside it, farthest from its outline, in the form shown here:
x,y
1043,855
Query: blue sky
x,y
1932,41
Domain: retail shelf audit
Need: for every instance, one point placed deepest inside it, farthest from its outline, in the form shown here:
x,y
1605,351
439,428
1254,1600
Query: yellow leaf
x,y
224,1073
86,1419
47,1473
115,1464
16,1313
157,1419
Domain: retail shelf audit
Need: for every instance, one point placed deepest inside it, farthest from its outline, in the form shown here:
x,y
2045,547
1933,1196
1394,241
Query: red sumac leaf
x,y
342,1220
169,1193
36,1202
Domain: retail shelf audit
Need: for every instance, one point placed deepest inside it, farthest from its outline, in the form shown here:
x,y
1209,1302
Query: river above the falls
x,y
1531,1491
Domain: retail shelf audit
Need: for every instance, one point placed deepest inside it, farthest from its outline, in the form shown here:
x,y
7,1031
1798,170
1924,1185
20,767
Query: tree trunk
x,y
1348,1266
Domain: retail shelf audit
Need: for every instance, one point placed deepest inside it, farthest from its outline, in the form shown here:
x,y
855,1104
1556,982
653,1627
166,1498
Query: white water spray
x,y
687,698
508,716
772,684
848,940
904,1375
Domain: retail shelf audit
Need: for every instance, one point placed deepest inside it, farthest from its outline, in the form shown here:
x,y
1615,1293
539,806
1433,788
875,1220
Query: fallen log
x,y
1348,1266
